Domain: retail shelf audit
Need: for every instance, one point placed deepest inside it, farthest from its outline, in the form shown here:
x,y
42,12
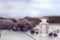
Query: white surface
x,y
12,35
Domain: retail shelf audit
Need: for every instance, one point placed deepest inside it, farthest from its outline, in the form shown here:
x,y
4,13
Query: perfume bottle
x,y
44,27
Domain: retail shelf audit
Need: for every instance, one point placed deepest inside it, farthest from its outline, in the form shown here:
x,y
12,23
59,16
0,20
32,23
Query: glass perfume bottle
x,y
44,27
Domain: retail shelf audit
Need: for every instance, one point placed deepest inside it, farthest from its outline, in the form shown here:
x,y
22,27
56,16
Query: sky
x,y
32,8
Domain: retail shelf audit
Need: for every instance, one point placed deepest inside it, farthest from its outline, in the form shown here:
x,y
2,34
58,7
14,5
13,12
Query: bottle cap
x,y
44,19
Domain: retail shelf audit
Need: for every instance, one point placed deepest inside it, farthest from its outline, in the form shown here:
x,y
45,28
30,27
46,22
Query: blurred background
x,y
32,8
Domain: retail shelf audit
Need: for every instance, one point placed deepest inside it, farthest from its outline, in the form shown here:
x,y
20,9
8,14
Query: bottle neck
x,y
44,20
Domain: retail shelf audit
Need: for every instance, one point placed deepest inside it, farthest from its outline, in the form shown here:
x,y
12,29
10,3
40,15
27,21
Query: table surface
x,y
17,35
